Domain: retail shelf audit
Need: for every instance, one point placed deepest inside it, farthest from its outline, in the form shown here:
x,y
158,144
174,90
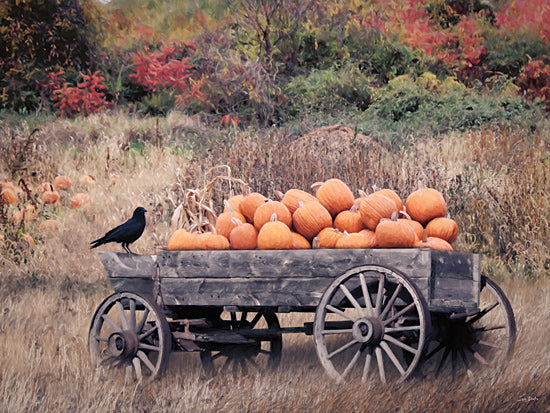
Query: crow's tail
x,y
97,243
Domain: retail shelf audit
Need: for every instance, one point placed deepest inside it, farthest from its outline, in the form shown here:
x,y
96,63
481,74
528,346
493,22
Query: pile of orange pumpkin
x,y
332,218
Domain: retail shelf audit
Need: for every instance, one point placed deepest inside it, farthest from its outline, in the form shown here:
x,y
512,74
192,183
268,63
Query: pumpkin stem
x,y
315,243
273,217
394,216
279,194
316,185
425,236
228,206
236,221
405,214
362,193
354,208
376,188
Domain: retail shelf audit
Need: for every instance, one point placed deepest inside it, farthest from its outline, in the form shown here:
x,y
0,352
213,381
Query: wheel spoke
x,y
434,351
392,357
137,368
381,283
351,363
340,312
128,374
398,343
123,319
391,301
244,314
402,328
480,358
111,323
143,357
217,355
147,333
233,319
366,367
399,313
485,329
133,315
352,300
488,344
344,347
255,320
145,346
142,321
380,361
366,295
442,361
482,313
341,331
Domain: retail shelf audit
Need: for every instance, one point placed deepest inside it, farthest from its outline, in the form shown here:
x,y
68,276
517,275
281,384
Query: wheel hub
x,y
123,344
368,330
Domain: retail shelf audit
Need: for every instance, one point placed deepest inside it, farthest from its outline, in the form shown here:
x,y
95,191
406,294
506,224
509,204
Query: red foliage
x,y
83,99
534,81
532,16
169,67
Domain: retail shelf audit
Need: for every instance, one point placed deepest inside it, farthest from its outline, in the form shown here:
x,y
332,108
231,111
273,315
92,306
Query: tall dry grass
x,y
495,181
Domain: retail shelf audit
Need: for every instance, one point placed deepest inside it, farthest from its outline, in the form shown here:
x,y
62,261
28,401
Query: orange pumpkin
x,y
299,242
51,225
28,239
309,219
335,196
328,237
292,197
370,236
415,225
50,197
234,202
244,236
62,182
274,235
390,193
267,209
444,228
391,233
87,180
182,240
349,220
8,196
250,203
433,243
374,207
79,200
215,242
225,223
43,187
352,241
425,204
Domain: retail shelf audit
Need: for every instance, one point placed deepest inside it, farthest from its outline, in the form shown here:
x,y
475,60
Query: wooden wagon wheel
x,y
483,339
371,321
257,344
129,333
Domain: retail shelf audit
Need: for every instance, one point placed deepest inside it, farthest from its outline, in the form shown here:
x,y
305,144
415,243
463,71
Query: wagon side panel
x,y
129,272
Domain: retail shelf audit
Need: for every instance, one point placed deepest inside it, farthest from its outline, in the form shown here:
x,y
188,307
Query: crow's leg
x,y
125,247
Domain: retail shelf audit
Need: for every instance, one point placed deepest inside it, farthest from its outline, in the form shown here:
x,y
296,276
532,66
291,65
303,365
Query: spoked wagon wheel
x,y
371,321
252,343
130,334
480,341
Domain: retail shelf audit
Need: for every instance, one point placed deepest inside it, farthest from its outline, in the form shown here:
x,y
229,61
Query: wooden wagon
x,y
378,313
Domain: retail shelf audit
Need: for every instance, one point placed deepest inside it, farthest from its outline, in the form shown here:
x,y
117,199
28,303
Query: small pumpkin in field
x,y
80,200
26,214
267,209
50,197
425,204
392,233
62,182
87,180
244,236
182,239
309,219
28,240
334,195
293,196
50,225
352,241
249,204
275,235
349,220
370,236
299,242
433,243
8,196
224,222
444,228
374,207
328,237
43,187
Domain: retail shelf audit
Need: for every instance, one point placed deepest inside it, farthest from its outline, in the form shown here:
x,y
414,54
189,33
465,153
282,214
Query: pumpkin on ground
x,y
250,203
328,237
267,209
244,236
349,220
87,180
8,196
293,196
275,235
374,207
49,225
50,197
425,204
352,241
309,219
79,200
392,233
334,195
62,182
444,228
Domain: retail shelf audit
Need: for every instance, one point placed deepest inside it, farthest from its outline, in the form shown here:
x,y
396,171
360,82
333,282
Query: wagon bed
x,y
378,312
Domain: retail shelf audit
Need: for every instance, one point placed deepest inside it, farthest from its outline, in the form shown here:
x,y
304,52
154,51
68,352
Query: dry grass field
x,y
496,182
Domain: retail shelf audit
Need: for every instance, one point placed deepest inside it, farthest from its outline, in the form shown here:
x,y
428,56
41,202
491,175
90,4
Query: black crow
x,y
125,233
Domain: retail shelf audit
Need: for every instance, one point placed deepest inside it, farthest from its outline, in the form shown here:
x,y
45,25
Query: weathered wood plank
x,y
318,263
120,265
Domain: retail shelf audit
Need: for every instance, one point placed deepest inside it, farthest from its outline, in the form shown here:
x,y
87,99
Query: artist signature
x,y
526,399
